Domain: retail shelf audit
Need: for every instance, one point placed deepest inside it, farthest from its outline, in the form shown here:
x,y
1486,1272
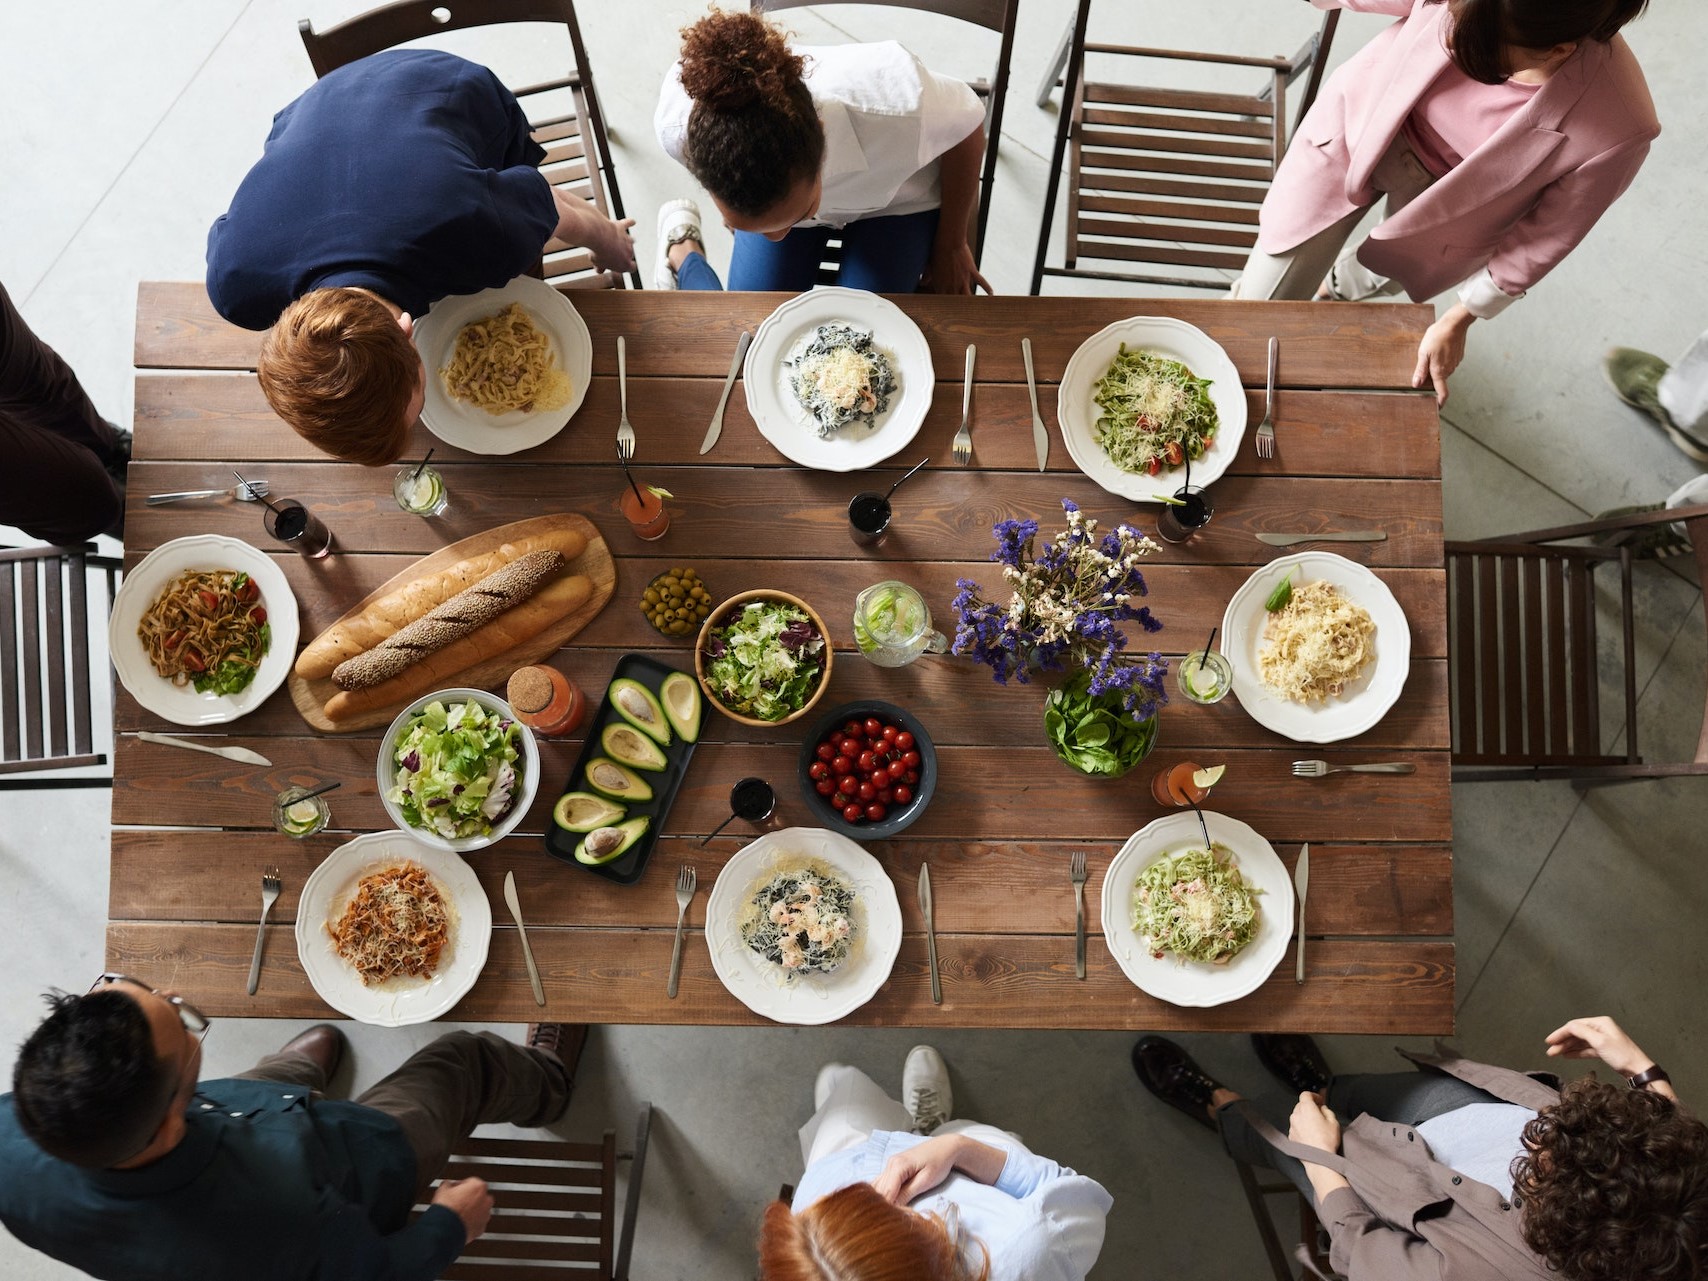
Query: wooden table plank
x,y
981,886
694,334
194,417
618,976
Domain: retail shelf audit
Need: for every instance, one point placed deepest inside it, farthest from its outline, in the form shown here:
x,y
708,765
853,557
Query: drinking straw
x,y
417,474
1209,845
319,791
915,468
251,490
1206,655
720,827
625,466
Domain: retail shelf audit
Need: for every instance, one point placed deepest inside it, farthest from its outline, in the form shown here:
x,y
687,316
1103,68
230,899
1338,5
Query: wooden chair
x,y
46,712
993,15
555,1213
1256,1191
1164,184
578,149
1525,683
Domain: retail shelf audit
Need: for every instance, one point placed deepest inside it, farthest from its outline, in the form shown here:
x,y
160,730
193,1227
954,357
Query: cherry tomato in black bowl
x,y
881,766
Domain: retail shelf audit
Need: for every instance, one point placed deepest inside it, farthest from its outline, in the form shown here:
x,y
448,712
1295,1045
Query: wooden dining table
x,y
1357,448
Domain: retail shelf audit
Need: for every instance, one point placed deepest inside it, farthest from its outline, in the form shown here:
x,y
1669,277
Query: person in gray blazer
x,y
1468,1172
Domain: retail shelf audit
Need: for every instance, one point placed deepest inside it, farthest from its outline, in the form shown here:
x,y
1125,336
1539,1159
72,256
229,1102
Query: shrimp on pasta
x,y
207,628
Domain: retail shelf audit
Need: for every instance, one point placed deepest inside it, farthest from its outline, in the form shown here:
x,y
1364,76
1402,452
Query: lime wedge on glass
x,y
1205,779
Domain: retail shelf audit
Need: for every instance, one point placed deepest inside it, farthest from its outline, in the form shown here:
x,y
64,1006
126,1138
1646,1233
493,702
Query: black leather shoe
x,y
323,1044
1293,1060
1168,1072
566,1040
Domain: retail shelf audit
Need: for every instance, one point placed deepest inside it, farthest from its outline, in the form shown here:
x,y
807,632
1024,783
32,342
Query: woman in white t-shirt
x,y
797,145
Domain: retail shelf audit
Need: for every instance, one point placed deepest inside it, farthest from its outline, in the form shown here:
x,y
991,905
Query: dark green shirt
x,y
266,1184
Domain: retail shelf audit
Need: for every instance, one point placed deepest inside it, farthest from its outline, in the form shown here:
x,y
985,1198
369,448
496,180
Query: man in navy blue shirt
x,y
394,182
114,1159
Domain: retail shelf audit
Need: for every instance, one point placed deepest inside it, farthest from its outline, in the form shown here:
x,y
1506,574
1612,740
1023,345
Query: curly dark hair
x,y
89,1086
1481,27
1614,1186
753,134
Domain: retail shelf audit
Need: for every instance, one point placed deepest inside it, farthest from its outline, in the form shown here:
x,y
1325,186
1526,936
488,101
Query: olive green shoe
x,y
1653,542
1635,377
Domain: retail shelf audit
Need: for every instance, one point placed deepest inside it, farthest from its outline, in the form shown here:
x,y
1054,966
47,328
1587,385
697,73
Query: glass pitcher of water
x,y
892,625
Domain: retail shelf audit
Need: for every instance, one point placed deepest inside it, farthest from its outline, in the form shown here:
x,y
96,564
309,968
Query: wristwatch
x,y
1643,1080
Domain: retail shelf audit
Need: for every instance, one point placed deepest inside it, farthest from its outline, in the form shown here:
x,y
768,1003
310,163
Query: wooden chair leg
x,y
1254,1193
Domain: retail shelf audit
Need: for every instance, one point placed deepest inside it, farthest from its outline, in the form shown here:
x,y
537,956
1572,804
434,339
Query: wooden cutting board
x,y
595,561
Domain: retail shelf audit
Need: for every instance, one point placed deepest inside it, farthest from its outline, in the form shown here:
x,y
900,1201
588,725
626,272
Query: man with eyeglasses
x,y
114,1159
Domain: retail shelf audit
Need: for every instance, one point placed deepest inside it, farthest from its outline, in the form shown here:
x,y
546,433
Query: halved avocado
x,y
680,695
635,704
619,781
603,844
583,811
627,744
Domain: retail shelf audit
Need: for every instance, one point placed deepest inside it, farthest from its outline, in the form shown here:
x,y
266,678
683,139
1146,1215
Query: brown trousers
x,y
54,447
445,1089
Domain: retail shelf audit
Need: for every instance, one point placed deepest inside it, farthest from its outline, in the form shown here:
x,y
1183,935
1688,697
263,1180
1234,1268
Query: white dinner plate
x,y
812,998
782,421
1198,983
181,704
1367,699
472,428
403,1000
1177,340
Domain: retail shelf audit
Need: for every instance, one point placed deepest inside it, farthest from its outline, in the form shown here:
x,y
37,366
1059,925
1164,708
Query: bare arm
x,y
1601,1038
952,269
579,222
917,1170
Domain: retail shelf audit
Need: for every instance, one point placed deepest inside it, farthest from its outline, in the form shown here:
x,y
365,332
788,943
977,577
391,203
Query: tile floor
x,y
131,122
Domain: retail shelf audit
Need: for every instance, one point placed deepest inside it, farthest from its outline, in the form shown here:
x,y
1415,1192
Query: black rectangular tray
x,y
627,869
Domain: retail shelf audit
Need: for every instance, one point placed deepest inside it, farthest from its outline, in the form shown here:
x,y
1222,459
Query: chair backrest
x,y
1164,184
578,150
993,15
46,703
1526,687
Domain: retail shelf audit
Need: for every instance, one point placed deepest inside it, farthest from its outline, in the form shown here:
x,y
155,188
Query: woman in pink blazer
x,y
1498,130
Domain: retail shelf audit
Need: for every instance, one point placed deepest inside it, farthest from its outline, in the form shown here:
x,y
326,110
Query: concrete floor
x,y
133,120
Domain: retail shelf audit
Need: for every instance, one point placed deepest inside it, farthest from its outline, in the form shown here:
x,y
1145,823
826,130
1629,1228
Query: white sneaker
x,y
678,220
925,1088
825,1083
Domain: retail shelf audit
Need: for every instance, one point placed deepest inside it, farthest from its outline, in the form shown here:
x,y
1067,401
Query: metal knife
x,y
230,753
1040,437
522,933
1349,536
1301,883
717,426
930,931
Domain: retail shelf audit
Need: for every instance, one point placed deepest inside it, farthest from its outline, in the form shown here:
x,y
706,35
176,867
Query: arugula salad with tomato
x,y
1156,412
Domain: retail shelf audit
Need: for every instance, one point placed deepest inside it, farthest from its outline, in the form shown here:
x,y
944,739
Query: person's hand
x,y
612,246
1313,1124
1441,350
952,270
470,1200
916,1171
1599,1038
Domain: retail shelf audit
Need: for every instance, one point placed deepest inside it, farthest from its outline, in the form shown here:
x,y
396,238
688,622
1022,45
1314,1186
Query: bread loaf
x,y
456,618
397,609
509,629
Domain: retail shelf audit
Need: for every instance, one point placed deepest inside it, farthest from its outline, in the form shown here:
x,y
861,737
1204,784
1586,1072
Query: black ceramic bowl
x,y
900,817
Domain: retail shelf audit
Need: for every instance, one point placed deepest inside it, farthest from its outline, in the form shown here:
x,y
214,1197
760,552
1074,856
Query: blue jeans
x,y
885,255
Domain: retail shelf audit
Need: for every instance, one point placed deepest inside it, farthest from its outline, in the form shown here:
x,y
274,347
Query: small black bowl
x,y
899,818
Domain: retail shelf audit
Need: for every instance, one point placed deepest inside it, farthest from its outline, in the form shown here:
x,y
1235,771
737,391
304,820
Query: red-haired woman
x,y
795,145
1499,132
880,1202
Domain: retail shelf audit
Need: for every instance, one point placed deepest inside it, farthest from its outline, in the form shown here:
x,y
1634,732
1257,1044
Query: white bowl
x,y
386,775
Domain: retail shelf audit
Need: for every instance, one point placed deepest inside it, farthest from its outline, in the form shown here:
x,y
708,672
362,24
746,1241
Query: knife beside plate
x,y
515,906
717,426
242,754
1301,883
1040,436
1348,536
930,932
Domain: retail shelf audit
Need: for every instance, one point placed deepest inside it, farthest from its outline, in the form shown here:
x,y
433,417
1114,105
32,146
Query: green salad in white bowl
x,y
457,770
764,657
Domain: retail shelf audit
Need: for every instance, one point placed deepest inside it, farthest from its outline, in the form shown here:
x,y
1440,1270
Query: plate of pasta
x,y
1329,660
391,931
838,379
1195,927
1142,394
506,368
203,630
803,926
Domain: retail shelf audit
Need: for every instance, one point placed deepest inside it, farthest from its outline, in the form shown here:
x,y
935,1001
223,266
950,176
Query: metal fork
x,y
1078,866
1266,428
963,443
1316,769
625,433
270,887
686,882
251,491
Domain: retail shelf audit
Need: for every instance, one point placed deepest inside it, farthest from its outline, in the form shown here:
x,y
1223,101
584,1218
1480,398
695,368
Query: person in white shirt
x,y
968,1203
797,145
